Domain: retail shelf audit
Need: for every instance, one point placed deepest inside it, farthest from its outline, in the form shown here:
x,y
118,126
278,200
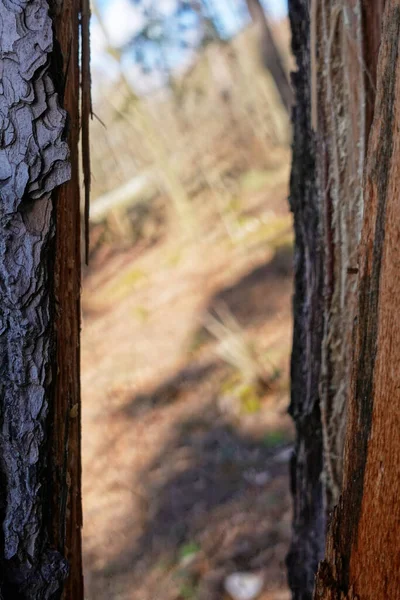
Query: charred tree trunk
x,y
362,558
352,135
39,306
306,469
270,54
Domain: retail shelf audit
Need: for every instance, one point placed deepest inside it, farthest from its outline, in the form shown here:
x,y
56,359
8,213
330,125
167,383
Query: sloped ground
x,y
185,463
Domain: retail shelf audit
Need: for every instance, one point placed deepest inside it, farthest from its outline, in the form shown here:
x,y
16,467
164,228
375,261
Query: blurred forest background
x,y
187,302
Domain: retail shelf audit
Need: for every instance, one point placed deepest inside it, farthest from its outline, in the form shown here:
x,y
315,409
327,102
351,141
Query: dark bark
x,y
34,161
66,513
270,54
306,469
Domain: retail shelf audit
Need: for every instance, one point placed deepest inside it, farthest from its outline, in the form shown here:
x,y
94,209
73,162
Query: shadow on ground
x,y
169,390
213,501
195,491
256,298
258,295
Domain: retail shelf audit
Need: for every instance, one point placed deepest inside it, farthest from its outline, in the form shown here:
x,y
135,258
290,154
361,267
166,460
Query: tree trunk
x,y
66,426
362,557
336,52
143,119
343,85
306,468
270,54
39,310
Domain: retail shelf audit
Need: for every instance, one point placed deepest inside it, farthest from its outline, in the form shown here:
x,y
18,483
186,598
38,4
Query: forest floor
x,y
185,459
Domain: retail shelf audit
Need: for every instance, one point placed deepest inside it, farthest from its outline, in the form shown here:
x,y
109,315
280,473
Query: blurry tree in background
x,y
270,54
40,542
205,85
166,40
345,393
136,110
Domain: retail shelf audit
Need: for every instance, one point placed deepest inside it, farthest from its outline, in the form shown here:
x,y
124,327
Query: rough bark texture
x,y
270,55
309,513
33,162
66,513
372,15
345,75
345,39
362,558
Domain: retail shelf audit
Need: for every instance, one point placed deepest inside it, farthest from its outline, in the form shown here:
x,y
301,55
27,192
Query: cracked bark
x,y
36,363
335,43
308,533
362,556
347,40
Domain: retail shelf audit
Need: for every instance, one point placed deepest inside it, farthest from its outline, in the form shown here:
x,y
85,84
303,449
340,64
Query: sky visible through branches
x,y
126,20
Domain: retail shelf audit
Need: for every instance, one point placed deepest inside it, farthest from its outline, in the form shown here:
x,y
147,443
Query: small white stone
x,y
243,586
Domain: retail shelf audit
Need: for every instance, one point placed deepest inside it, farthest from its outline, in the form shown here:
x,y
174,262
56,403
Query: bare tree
x,y
270,54
344,177
143,119
40,543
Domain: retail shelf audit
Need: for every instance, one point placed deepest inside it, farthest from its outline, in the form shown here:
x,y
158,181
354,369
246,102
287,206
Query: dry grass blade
x,y
235,347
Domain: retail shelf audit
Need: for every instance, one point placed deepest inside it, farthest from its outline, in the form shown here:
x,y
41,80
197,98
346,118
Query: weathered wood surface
x,y
345,74
308,536
65,451
363,557
336,44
